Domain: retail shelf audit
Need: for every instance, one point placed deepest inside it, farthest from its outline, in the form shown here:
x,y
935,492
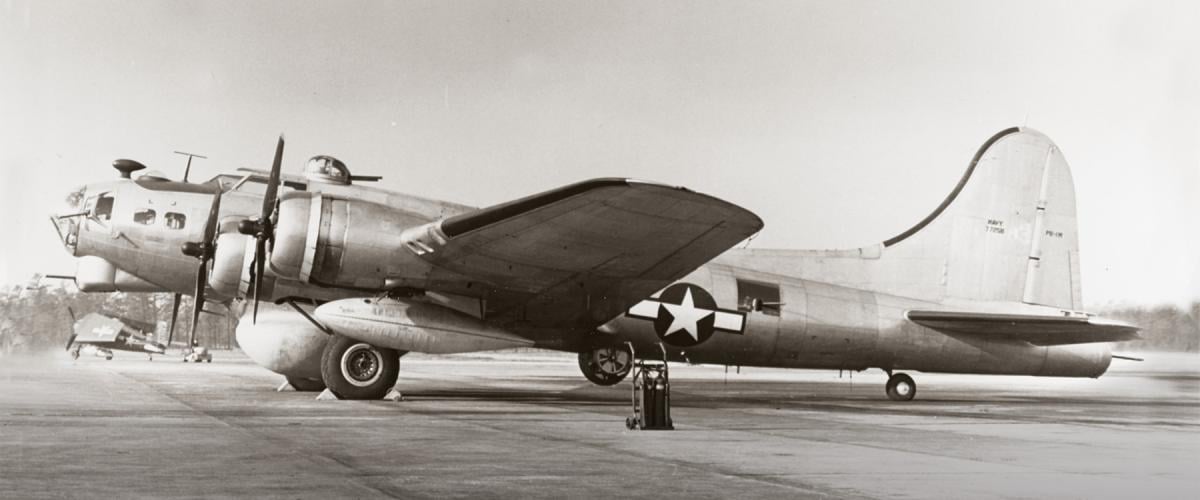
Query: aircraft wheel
x,y
357,370
306,384
108,358
606,365
900,387
74,354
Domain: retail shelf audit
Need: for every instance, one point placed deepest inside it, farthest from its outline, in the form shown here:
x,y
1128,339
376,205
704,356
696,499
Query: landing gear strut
x,y
606,365
900,387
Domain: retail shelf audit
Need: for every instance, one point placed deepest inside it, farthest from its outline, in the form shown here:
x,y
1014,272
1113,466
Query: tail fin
x,y
1008,231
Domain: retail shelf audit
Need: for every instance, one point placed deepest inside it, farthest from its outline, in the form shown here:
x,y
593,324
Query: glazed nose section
x,y
68,220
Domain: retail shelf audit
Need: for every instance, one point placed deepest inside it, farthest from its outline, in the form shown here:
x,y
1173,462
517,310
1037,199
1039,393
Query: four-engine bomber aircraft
x,y
987,283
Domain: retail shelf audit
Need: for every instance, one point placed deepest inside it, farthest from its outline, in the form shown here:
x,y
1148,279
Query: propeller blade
x,y
174,317
259,269
265,227
71,340
201,284
210,226
72,313
273,182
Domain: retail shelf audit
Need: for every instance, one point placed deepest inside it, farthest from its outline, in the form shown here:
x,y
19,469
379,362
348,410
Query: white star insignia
x,y
686,316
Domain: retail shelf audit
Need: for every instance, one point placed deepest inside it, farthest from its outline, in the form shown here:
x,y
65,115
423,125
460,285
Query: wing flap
x,y
1035,329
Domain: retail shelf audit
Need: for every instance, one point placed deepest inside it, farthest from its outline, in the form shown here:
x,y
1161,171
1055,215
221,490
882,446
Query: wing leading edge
x,y
1035,329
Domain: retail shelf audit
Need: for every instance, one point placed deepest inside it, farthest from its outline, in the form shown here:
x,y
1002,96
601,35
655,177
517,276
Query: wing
x,y
1035,329
583,253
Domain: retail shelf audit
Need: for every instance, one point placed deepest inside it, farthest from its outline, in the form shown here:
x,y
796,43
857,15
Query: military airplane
x,y
606,268
105,333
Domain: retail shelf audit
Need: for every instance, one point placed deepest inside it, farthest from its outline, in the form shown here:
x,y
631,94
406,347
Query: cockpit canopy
x,y
322,168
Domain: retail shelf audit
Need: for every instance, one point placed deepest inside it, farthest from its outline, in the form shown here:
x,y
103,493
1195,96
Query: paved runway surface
x,y
528,425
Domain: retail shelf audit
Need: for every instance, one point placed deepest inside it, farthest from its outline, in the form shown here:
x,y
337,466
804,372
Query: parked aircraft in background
x,y
987,283
103,333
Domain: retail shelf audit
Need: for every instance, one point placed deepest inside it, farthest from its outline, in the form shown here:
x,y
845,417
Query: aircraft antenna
x,y
188,169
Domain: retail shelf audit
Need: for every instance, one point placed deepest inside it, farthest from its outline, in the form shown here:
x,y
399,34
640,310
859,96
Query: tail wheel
x,y
606,365
900,387
357,370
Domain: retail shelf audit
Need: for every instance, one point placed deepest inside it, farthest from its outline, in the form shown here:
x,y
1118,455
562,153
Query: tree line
x,y
1164,327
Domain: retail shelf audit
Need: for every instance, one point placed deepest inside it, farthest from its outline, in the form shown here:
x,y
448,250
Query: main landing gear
x,y
900,387
352,369
606,365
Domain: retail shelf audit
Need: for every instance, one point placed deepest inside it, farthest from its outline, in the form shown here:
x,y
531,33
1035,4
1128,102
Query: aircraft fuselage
x,y
820,325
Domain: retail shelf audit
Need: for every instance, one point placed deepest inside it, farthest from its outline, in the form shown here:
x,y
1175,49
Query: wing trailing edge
x,y
1036,329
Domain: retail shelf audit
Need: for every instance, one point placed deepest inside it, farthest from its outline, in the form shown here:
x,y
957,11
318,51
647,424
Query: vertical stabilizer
x,y
1008,231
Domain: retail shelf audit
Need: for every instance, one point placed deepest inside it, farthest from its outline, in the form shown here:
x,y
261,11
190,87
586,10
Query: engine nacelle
x,y
414,326
283,342
230,265
331,241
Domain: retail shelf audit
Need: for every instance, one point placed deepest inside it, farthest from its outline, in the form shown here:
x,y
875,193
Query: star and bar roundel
x,y
685,315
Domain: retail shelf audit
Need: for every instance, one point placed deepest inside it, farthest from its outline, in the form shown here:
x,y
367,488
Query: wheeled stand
x,y
651,397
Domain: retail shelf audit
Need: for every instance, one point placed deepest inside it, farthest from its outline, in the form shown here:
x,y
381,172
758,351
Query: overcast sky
x,y
840,123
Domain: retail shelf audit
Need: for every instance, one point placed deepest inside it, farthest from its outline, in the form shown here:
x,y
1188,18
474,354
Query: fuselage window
x,y
175,220
104,207
754,296
145,217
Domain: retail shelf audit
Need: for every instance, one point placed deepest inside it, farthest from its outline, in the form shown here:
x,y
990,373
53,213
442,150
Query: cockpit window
x,y
145,216
104,207
175,220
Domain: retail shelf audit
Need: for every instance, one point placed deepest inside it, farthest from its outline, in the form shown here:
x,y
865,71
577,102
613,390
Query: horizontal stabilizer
x,y
1035,329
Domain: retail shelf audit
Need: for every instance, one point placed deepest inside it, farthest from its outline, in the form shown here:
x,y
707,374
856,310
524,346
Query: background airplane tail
x,y
1008,231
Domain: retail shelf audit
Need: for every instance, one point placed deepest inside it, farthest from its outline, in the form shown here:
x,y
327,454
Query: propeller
x,y
263,228
71,340
174,317
203,250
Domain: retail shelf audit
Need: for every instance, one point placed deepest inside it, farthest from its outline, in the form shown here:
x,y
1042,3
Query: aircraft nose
x,y
67,222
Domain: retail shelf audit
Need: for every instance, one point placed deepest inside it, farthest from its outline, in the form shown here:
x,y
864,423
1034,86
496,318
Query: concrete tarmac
x,y
527,425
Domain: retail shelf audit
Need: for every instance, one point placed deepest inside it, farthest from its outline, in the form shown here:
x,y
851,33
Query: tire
x,y
901,387
606,365
306,384
357,370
